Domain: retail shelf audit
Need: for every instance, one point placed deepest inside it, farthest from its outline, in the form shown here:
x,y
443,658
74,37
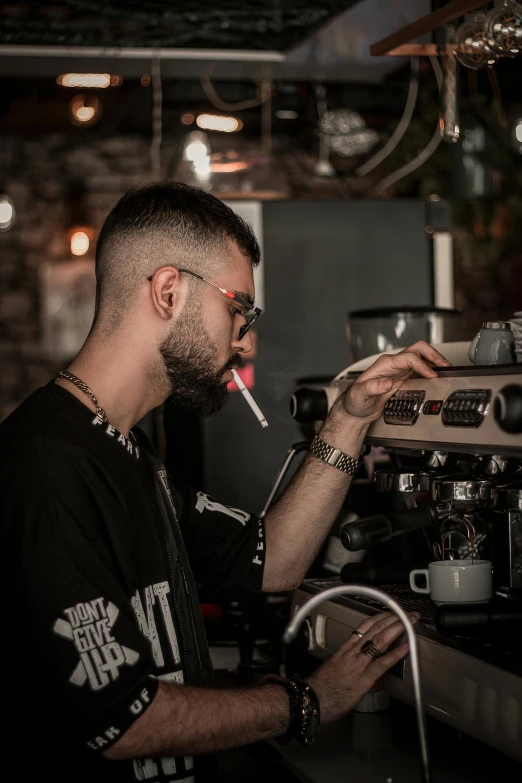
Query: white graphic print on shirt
x,y
152,608
112,432
91,623
147,622
89,628
260,544
162,475
204,502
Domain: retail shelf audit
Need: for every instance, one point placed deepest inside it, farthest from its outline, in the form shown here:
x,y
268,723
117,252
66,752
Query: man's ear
x,y
167,291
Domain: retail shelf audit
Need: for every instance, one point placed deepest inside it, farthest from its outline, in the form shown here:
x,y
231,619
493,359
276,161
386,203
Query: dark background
x,y
321,260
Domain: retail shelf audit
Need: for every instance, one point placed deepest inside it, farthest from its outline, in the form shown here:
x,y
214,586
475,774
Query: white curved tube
x,y
423,156
402,125
377,595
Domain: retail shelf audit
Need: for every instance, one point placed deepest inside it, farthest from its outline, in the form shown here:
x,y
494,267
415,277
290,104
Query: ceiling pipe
x,y
135,53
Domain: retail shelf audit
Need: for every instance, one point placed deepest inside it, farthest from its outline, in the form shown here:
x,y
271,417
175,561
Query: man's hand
x,y
349,674
366,397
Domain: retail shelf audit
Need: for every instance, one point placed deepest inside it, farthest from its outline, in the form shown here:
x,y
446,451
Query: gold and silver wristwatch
x,y
334,457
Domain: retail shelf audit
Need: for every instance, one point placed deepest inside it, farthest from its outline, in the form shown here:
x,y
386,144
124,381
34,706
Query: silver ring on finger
x,y
357,633
371,650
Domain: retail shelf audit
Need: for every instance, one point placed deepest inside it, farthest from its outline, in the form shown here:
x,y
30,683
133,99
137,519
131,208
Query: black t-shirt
x,y
95,610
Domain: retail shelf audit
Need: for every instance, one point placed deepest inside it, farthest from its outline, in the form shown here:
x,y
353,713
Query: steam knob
x,y
304,639
309,404
508,408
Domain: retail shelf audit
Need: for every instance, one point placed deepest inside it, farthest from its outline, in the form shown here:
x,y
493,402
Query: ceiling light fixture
x,y
89,80
219,122
516,135
346,133
7,213
196,146
85,109
286,114
80,242
196,151
228,168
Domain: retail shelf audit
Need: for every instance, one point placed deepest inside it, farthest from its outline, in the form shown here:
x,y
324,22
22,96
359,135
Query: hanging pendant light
x,y
7,213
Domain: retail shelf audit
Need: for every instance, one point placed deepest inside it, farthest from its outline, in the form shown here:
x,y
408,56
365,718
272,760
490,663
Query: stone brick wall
x,y
44,170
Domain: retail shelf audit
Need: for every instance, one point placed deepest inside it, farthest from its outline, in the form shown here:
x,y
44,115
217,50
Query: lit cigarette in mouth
x,y
248,397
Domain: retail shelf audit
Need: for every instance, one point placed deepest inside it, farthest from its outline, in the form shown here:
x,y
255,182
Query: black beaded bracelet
x,y
305,713
295,718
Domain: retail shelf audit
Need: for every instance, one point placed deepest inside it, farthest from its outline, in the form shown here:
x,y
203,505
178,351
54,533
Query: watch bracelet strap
x,y
305,713
333,456
312,719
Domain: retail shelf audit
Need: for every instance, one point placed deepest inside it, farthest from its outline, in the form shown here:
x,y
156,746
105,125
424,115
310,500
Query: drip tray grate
x,y
506,653
406,598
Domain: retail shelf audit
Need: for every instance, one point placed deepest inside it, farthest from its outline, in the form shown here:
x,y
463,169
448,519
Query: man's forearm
x,y
186,721
299,522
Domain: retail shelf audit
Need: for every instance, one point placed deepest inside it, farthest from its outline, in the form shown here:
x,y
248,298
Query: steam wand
x,y
303,445
377,595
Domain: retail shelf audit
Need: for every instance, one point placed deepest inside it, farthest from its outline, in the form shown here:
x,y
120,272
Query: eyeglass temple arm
x,y
230,294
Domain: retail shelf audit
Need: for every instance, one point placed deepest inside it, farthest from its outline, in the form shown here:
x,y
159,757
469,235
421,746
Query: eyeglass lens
x,y
250,317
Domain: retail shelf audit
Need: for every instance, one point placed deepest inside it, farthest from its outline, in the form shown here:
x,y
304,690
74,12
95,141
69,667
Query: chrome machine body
x,y
458,442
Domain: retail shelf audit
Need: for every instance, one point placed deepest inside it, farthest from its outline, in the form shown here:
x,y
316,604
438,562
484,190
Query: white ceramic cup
x,y
456,581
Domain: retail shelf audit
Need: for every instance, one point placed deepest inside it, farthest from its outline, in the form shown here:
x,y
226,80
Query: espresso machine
x,y
453,489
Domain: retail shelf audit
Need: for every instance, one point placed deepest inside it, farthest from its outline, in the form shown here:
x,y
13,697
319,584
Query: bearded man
x,y
105,665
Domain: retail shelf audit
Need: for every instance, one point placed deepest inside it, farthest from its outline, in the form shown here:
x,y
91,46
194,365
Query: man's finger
x,y
369,622
383,640
389,659
374,387
385,637
390,366
369,628
374,625
378,628
412,361
427,351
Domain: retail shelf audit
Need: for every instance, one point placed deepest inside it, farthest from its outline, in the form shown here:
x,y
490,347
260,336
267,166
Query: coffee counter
x,y
383,748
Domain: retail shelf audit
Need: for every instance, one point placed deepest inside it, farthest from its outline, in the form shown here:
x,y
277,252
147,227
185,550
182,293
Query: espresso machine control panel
x,y
463,407
471,409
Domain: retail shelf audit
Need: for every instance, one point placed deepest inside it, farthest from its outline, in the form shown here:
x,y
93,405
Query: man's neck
x,y
124,387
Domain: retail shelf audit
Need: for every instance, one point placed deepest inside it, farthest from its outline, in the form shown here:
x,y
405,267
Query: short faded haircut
x,y
159,224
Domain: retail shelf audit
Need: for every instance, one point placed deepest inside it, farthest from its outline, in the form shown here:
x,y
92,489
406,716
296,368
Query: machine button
x,y
466,408
508,409
309,404
404,407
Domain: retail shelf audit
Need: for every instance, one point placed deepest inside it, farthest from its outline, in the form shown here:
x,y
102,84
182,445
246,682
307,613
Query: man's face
x,y
203,345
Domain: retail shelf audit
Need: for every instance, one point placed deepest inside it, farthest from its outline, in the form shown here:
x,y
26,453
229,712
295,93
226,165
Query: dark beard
x,y
194,386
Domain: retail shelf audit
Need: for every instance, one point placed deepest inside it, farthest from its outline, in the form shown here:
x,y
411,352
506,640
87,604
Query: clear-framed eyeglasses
x,y
246,309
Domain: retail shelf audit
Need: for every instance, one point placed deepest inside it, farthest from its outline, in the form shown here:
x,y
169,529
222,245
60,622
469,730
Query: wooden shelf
x,y
394,44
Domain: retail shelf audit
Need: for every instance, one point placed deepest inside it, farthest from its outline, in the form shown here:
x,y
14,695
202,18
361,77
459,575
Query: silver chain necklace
x,y
90,394
86,390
